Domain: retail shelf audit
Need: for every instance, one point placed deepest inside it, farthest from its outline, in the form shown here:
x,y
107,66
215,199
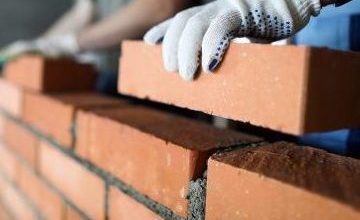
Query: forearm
x,y
331,2
127,23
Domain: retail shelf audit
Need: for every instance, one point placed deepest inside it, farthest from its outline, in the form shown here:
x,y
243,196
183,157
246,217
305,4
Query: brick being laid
x,y
282,181
286,88
54,115
156,153
41,74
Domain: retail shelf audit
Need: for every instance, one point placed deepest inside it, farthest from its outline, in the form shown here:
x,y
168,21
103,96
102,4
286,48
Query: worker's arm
x,y
129,22
69,39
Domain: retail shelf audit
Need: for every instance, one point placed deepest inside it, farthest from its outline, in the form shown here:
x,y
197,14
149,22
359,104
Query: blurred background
x,y
27,19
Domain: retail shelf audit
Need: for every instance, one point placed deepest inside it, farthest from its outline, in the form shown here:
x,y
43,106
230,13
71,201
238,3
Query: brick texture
x,y
24,143
4,213
2,125
50,75
11,98
122,207
156,153
81,186
15,202
290,89
54,115
71,214
50,204
282,181
8,163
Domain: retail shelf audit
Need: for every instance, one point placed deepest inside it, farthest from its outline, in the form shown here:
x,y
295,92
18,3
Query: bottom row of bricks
x,y
267,181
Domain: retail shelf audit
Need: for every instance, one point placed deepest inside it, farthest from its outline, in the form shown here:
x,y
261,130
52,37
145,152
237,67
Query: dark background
x,y
26,19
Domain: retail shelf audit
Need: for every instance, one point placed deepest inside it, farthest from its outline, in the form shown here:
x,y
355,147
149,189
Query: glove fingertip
x,y
211,65
187,74
152,37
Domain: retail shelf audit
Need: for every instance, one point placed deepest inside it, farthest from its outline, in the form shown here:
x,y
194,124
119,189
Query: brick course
x,y
81,186
50,203
156,153
22,141
50,75
11,98
282,181
288,88
125,207
54,115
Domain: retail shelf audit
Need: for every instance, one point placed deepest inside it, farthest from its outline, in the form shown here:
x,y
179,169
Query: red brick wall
x,y
81,155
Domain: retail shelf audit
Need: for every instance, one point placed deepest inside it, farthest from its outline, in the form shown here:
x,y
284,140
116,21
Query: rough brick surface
x,y
11,98
81,186
156,153
71,214
22,141
4,213
14,201
54,115
8,163
50,204
290,89
2,125
282,181
50,75
123,207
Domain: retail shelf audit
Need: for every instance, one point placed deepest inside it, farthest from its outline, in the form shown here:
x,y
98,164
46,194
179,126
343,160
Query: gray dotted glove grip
x,y
206,31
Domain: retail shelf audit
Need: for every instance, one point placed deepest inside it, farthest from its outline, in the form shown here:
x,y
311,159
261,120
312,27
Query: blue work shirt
x,y
336,28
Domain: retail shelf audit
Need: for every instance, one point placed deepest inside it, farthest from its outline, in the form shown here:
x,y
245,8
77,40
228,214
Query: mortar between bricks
x,y
108,179
154,152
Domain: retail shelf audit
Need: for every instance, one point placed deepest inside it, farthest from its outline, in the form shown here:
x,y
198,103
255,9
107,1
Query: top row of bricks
x,y
290,89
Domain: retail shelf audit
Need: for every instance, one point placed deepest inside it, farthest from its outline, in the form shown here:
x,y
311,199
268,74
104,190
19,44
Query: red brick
x,y
11,98
81,186
15,202
282,181
124,207
59,122
2,125
8,163
4,213
156,153
71,214
22,141
290,89
50,203
50,75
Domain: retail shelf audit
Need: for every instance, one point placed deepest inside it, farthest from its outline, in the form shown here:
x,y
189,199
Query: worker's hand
x,y
57,46
208,29
16,49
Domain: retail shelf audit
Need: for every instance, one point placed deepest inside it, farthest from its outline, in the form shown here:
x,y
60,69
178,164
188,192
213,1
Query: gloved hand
x,y
56,46
15,49
208,29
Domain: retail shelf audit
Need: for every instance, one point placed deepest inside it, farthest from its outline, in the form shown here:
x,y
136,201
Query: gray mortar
x,y
157,208
24,197
197,198
197,188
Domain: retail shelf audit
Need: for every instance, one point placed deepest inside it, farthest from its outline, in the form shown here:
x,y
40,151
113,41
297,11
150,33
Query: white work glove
x,y
208,29
15,49
56,46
